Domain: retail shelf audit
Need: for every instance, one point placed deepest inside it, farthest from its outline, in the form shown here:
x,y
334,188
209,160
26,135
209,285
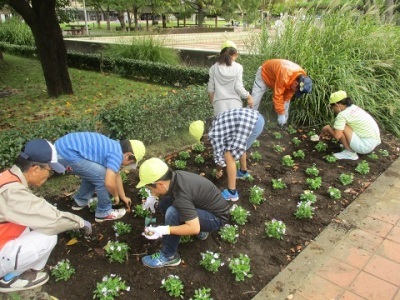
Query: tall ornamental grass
x,y
146,49
343,49
15,31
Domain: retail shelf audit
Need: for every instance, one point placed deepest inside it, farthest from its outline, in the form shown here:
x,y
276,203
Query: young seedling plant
x,y
198,147
383,152
186,239
240,267
122,228
363,167
184,155
93,204
373,156
275,229
314,183
346,179
63,270
313,171
304,210
321,146
256,144
202,294
110,287
278,148
256,156
239,214
287,161
277,135
291,129
117,251
139,211
299,154
296,141
199,159
330,158
334,193
211,261
256,195
180,164
173,285
308,196
229,233
278,184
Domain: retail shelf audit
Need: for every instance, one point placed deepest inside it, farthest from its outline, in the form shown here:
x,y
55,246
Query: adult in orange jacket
x,y
285,79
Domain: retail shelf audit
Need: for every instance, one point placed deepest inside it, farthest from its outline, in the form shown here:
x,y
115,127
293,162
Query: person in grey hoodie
x,y
225,85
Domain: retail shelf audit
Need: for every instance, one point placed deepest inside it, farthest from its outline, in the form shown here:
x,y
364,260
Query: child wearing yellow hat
x,y
225,85
353,127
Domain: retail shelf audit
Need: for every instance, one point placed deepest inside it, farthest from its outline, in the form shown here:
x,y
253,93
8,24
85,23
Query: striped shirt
x,y
91,146
359,121
230,131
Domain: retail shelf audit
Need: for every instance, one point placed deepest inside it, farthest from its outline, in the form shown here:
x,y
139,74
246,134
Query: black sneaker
x,y
203,235
75,206
28,280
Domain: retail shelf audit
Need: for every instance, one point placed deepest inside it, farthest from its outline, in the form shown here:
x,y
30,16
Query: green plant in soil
x,y
117,251
278,184
255,144
173,285
198,147
346,179
308,196
334,193
296,141
321,146
239,214
277,135
373,156
256,156
299,154
199,159
240,267
180,164
63,270
139,211
330,158
74,234
311,133
93,204
122,228
186,239
110,287
214,173
278,148
383,152
291,130
287,161
314,183
256,195
363,167
211,261
229,233
313,171
304,210
143,193
249,178
184,155
202,294
275,229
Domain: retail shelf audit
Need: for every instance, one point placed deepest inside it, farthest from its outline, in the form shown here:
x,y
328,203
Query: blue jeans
x,y
170,243
92,180
258,128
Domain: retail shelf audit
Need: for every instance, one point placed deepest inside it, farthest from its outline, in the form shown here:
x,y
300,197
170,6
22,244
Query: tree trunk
x,y
42,19
121,20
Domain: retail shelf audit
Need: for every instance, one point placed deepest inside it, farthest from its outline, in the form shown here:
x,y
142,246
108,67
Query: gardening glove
x,y
281,120
153,233
150,202
87,227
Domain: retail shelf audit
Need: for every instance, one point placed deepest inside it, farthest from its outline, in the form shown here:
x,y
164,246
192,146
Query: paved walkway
x,y
356,257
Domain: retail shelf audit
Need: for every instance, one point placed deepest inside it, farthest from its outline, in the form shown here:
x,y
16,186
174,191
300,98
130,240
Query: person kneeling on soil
x,y
192,205
231,134
353,127
29,224
97,160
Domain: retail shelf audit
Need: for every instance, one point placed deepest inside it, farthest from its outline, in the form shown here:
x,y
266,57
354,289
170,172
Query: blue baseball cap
x,y
42,151
305,86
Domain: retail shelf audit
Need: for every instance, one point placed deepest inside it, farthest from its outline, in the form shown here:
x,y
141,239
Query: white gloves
x,y
281,119
153,233
150,202
87,227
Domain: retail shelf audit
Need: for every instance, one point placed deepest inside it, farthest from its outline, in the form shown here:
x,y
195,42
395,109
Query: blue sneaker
x,y
203,235
229,197
241,175
158,260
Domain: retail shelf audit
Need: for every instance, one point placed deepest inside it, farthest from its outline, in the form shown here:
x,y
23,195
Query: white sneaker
x,y
346,154
115,214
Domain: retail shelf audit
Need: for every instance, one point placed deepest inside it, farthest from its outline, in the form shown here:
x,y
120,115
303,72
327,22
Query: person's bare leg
x,y
243,162
346,138
230,170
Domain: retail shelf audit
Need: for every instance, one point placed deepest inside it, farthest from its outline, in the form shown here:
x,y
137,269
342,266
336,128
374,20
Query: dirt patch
x,y
268,256
7,92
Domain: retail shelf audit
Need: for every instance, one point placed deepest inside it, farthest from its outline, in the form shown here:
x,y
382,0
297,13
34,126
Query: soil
x,y
268,255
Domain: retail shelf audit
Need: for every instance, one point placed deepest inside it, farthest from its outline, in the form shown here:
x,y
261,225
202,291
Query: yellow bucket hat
x,y
196,129
229,44
138,149
337,96
151,170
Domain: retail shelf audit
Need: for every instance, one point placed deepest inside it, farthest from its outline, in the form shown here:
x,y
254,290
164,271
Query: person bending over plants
x,y
29,224
231,134
97,160
353,127
285,79
192,205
